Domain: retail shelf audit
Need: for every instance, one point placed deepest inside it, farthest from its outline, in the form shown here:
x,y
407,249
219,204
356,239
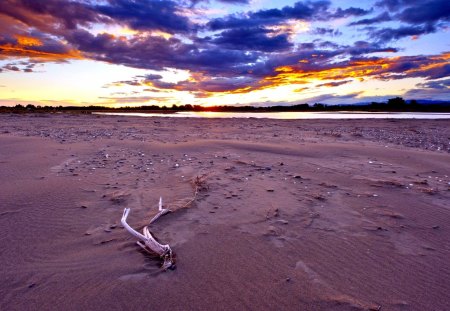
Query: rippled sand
x,y
293,215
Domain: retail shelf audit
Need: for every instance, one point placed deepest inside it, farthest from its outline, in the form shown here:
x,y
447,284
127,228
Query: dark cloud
x,y
417,18
326,31
383,17
152,77
157,53
59,16
235,1
364,47
438,89
436,72
147,15
358,48
202,85
306,46
334,84
10,67
340,13
389,34
52,16
195,2
419,12
301,10
22,66
254,39
426,12
327,44
436,84
395,5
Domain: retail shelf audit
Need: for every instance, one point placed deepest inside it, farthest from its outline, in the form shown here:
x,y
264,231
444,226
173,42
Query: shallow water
x,y
290,115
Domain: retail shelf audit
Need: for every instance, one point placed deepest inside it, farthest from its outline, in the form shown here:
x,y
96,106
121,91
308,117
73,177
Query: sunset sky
x,y
228,52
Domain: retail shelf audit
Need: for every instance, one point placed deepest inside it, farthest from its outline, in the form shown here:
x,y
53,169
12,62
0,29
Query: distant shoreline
x,y
397,104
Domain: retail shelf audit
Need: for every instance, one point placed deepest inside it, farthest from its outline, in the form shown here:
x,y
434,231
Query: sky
x,y
119,53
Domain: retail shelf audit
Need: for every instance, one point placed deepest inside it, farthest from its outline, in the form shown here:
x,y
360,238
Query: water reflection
x,y
288,115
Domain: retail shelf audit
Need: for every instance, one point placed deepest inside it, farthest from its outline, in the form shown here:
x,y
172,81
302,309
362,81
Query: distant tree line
x,y
396,104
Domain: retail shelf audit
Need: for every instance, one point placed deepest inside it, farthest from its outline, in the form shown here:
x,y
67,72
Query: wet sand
x,y
292,215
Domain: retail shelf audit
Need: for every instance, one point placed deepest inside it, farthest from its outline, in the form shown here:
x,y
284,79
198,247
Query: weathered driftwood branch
x,y
162,211
148,242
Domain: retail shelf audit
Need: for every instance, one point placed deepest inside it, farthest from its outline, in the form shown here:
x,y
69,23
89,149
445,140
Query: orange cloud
x,y
28,41
383,68
34,48
333,75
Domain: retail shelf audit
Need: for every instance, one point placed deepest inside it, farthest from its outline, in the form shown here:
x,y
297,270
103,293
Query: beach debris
x,y
148,242
199,184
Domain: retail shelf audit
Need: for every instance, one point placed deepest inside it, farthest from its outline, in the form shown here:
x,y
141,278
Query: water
x,y
289,115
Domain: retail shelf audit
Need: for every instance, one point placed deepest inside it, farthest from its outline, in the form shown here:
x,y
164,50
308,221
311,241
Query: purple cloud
x,y
301,10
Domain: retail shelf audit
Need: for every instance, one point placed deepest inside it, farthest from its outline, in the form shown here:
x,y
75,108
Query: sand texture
x,y
290,215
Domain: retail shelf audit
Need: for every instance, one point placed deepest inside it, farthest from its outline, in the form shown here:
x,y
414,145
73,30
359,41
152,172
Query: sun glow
x,y
291,28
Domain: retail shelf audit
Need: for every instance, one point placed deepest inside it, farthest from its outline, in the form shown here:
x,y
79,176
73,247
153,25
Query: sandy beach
x,y
291,215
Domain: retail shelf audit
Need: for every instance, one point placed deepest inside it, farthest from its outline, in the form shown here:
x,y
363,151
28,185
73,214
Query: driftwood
x,y
148,242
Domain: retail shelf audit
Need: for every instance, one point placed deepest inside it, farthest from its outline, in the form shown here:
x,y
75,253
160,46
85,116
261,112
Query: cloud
x,y
326,31
224,1
147,15
388,34
23,66
436,84
438,89
429,67
383,17
254,39
364,47
152,77
237,53
426,12
334,84
417,18
419,12
301,10
331,99
340,13
236,1
40,46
